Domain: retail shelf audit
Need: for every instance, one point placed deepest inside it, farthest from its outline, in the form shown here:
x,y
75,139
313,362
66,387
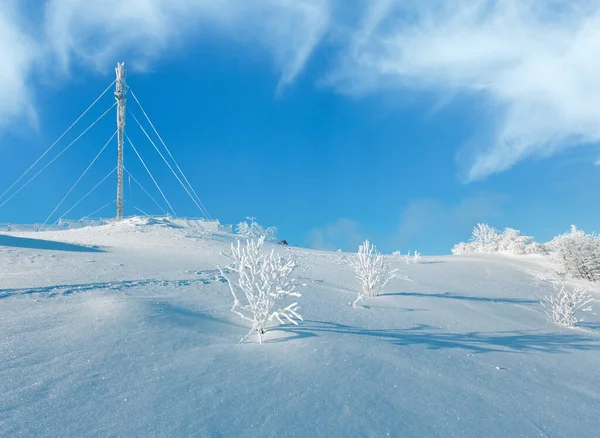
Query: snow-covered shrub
x,y
416,258
536,248
371,270
564,303
397,253
512,241
578,253
261,279
461,248
486,239
254,230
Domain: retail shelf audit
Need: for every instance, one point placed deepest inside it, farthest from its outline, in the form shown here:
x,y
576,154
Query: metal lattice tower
x,y
120,97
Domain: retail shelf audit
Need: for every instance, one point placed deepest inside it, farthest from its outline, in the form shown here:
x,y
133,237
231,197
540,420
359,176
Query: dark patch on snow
x,y
25,242
454,296
433,338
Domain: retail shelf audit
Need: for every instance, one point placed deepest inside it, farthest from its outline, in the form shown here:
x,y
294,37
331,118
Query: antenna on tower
x,y
120,97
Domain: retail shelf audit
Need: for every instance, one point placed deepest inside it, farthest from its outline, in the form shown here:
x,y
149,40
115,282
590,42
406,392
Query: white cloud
x,y
98,33
536,62
18,53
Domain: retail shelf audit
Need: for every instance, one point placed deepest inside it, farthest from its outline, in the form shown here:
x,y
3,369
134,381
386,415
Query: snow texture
x,y
126,330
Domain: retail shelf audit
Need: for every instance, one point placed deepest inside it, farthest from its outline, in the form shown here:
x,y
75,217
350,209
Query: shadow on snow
x,y
454,296
589,325
25,242
178,315
517,341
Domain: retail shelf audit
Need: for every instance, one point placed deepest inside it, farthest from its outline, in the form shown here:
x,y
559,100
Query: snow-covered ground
x,y
126,330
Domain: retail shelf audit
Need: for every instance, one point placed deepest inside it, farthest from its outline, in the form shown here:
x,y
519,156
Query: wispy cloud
x,y
18,53
97,33
535,62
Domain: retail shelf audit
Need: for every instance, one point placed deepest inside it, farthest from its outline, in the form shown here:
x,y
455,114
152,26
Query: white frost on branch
x,y
416,258
484,235
372,272
254,230
578,253
258,280
564,303
486,239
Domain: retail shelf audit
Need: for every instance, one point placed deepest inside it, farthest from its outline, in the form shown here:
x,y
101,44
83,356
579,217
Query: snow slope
x,y
125,330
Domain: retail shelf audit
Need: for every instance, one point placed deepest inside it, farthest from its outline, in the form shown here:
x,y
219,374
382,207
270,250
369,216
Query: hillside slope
x,y
125,330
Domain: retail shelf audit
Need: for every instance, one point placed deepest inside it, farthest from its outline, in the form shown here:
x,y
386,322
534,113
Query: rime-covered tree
x,y
486,239
578,253
254,230
512,241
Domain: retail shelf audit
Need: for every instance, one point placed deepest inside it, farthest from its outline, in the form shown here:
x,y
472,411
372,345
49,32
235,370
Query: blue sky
x,y
400,121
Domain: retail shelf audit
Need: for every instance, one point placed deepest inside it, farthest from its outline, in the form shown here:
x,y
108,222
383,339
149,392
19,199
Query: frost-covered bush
x,y
258,280
512,241
536,248
483,239
462,248
486,239
254,230
564,303
578,253
415,258
372,272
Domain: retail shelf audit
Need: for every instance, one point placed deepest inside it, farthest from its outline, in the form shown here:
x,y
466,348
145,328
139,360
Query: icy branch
x,y
254,230
564,303
257,281
372,272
